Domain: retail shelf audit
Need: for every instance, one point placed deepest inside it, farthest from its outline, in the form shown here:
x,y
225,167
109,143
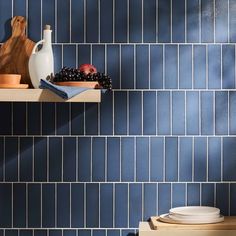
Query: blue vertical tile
x,y
92,21
207,21
11,159
40,159
113,232
127,159
164,198
142,159
221,21
33,118
207,115
48,118
63,205
69,232
19,203
98,159
178,21
77,205
26,159
199,59
19,8
84,232
171,159
92,205
55,159
127,66
57,53
69,56
128,232
232,199
232,21
178,194
156,66
55,232
91,117
98,56
84,52
149,21
135,205
178,112
77,21
228,66
63,22
40,233
69,159
6,205
171,67
193,194
149,206
222,198
135,113
221,112
207,194
77,118
121,21
6,109
84,159
163,112
149,113
164,29
106,205
121,205
10,232
25,232
19,118
214,159
48,205
214,66
34,205
113,159
232,112
135,21
185,66
99,232
1,157
120,112
62,118
142,66
192,113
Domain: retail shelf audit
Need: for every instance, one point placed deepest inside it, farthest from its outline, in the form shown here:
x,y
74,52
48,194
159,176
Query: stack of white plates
x,y
193,215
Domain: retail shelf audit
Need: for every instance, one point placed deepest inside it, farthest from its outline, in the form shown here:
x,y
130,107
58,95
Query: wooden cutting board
x,y
15,52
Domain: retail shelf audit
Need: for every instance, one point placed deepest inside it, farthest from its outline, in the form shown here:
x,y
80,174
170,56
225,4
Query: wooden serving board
x,y
15,52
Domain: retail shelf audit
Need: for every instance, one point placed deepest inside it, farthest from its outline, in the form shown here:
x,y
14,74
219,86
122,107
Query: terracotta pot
x,y
10,79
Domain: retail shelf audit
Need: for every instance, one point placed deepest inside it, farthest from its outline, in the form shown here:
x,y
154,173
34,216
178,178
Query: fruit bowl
x,y
10,79
83,84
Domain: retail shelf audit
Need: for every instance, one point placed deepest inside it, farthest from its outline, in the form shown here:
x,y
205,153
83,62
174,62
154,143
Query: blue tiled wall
x,y
164,137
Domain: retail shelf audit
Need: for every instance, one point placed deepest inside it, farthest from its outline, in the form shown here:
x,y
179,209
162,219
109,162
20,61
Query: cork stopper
x,y
47,27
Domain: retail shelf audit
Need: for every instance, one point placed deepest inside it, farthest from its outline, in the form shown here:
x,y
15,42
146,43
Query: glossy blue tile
x,y
62,118
19,8
77,118
48,118
199,59
11,159
171,67
98,159
193,194
77,21
178,21
121,21
149,206
164,11
171,159
77,205
33,118
25,232
207,115
57,53
232,112
178,194
19,118
55,159
92,205
185,66
163,113
127,159
84,159
84,232
99,232
19,203
113,232
113,159
221,112
91,117
98,57
142,66
228,66
207,198
84,54
156,158
55,232
69,56
221,21
63,21
106,206
34,205
63,205
6,205
6,109
69,159
207,21
48,205
232,21
192,112
128,232
178,113
214,159
1,157
120,112
156,66
232,199
135,112
69,232
26,159
10,232
214,66
135,205
40,159
164,198
222,198
40,233
127,66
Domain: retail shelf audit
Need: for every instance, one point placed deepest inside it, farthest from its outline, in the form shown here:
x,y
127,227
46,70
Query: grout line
x,y
91,164
164,160
128,30
77,159
171,195
149,66
214,113
221,68
41,205
200,194
163,64
26,206
178,157
120,159
221,158
113,22
142,120
85,206
113,205
156,114
70,20
48,163
199,115
228,120
207,161
128,206
33,158
178,73
135,159
157,21
192,159
85,22
62,159
228,38
120,67
149,159
70,205
135,67
142,200
200,21
106,173
185,21
207,70
171,23
55,21
99,21
113,113
192,67
171,113
99,205
18,159
56,205
214,21
142,19
127,110
41,18
185,113
12,206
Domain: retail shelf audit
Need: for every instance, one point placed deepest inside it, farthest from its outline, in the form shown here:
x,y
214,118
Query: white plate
x,y
201,217
165,218
195,211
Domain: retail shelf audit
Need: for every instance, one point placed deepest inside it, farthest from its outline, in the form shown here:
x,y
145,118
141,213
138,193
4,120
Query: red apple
x,y
87,69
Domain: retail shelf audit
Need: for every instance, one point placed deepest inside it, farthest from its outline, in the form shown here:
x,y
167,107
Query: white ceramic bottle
x,y
41,63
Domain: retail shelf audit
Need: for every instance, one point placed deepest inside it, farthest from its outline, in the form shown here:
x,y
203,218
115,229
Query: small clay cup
x,y
10,79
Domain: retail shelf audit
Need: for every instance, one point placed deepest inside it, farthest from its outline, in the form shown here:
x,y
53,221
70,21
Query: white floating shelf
x,y
45,95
